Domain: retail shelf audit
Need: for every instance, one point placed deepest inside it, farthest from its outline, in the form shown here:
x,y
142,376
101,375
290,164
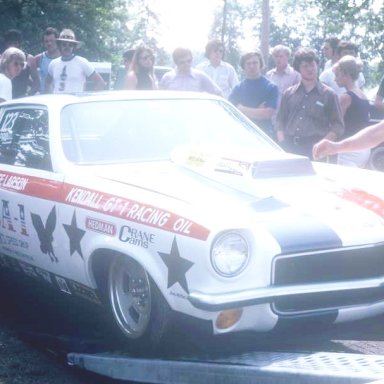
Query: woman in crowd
x,y
141,73
354,106
12,62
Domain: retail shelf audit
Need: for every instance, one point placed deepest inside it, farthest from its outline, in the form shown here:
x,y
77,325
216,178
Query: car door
x,y
28,185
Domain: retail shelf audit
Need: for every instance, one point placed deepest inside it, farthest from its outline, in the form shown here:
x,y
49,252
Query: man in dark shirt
x,y
256,96
27,82
309,111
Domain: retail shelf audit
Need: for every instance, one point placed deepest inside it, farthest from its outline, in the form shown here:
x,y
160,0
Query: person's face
x,y
340,77
184,63
216,55
146,59
66,48
327,50
15,67
252,67
49,42
281,60
308,70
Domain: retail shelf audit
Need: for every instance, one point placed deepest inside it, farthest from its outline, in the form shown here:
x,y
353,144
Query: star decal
x,y
75,235
177,267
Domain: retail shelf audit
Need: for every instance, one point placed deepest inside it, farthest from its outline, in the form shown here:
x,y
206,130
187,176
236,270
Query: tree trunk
x,y
224,24
264,31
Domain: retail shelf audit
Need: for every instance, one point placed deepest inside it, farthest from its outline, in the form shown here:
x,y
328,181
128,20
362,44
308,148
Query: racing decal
x,y
134,236
364,199
59,282
232,166
45,232
104,203
13,241
62,284
300,232
75,235
12,182
8,220
134,211
27,269
100,226
177,266
43,275
83,291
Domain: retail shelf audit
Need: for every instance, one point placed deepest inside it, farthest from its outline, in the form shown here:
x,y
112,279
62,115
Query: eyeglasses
x,y
18,63
66,44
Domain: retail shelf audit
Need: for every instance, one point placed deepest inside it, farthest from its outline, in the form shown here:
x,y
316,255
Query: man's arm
x,y
367,138
259,113
48,84
335,115
35,79
98,82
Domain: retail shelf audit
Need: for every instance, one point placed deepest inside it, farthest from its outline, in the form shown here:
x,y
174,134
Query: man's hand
x,y
324,148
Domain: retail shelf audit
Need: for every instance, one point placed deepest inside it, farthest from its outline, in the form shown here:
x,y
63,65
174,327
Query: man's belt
x,y
303,140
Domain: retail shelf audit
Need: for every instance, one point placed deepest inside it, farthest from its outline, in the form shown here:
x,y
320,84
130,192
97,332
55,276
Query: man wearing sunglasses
x,y
69,72
221,72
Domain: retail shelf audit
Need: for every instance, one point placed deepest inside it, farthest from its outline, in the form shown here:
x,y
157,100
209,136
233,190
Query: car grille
x,y
329,266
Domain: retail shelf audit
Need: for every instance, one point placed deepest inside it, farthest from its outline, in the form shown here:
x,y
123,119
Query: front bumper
x,y
238,299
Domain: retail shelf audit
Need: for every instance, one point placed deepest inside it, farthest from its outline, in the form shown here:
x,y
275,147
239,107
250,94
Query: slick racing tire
x,y
137,306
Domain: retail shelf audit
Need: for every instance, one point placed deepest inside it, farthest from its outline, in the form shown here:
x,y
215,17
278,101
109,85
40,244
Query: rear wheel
x,y
137,305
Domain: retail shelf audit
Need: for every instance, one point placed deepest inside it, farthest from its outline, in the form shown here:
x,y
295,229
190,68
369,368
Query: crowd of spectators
x,y
307,109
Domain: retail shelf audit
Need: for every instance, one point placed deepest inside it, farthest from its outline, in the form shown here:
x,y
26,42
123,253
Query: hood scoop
x,y
293,166
271,164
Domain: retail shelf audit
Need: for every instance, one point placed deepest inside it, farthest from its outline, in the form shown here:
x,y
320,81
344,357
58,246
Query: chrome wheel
x,y
129,291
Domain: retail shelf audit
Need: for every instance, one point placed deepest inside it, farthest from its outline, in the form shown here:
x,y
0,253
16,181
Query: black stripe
x,y
295,231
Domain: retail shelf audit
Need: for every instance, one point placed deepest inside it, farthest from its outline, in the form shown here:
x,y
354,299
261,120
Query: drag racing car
x,y
159,203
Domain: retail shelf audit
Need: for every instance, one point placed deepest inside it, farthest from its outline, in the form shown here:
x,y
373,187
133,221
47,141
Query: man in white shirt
x,y
328,76
221,72
69,72
283,75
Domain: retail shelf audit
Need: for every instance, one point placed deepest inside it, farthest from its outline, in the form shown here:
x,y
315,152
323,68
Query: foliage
x,y
99,23
308,22
142,26
231,32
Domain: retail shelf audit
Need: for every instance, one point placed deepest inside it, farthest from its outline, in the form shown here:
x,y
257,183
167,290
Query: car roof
x,y
65,99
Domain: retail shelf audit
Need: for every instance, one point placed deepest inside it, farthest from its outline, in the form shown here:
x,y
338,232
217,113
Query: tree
x,y
142,27
101,24
227,25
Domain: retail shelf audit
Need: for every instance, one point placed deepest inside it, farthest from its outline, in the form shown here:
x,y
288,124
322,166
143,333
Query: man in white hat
x,y
69,72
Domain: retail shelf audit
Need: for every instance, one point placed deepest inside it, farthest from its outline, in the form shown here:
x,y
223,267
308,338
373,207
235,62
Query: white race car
x,y
156,203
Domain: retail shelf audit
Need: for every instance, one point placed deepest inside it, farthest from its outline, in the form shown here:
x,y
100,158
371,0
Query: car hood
x,y
283,189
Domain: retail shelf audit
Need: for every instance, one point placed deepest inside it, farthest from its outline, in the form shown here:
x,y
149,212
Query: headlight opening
x,y
229,254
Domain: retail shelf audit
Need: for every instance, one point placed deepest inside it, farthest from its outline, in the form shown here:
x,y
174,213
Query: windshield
x,y
144,130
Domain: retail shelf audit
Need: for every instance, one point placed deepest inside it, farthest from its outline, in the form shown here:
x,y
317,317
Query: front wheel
x,y
137,305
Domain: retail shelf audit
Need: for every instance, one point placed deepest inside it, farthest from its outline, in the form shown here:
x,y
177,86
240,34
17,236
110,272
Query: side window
x,y
24,138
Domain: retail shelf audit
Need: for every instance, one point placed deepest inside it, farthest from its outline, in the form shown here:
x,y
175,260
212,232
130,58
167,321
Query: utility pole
x,y
264,31
224,24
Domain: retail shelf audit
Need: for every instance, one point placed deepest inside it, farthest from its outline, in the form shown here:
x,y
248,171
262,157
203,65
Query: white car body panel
x,y
143,209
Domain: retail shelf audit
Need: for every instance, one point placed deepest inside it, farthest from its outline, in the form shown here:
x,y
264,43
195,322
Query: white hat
x,y
69,36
